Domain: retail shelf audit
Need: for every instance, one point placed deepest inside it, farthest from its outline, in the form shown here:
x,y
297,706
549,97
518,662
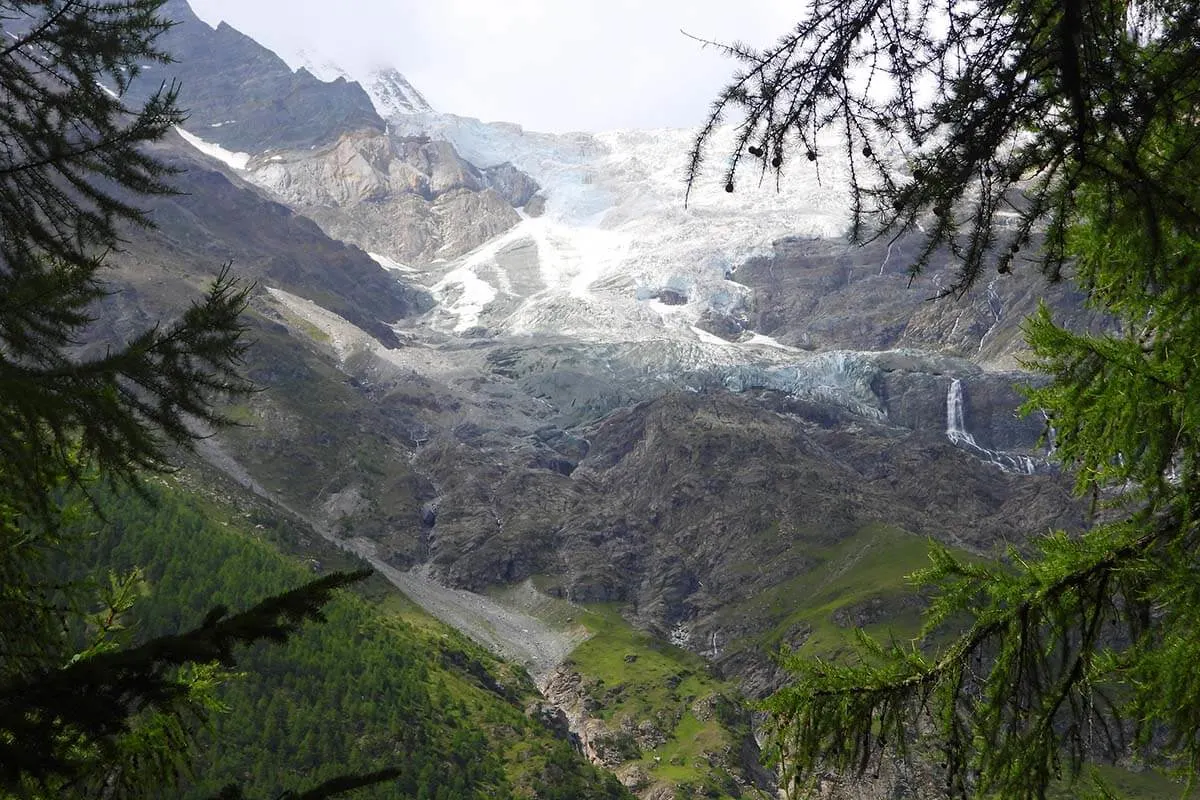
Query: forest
x,y
361,691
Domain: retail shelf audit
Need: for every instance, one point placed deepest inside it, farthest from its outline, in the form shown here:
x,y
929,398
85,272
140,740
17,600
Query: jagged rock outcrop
x,y
564,689
389,90
393,94
413,231
411,199
366,167
512,184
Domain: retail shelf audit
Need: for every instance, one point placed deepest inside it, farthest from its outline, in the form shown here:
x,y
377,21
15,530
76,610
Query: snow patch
x,y
465,295
229,158
666,309
770,341
709,338
388,263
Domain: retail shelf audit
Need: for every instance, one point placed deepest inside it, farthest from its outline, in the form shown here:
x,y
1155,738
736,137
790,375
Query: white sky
x,y
551,65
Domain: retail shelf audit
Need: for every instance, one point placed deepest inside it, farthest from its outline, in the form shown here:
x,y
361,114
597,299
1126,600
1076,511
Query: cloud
x,y
583,65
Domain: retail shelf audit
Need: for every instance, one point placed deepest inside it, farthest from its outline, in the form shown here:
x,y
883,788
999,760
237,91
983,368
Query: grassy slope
x,y
632,677
634,680
367,689
690,723
867,570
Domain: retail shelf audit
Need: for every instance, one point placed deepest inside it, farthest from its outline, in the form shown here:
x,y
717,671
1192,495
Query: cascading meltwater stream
x,y
959,436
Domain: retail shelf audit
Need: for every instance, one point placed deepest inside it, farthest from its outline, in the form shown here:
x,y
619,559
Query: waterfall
x,y
1051,436
956,432
714,651
956,426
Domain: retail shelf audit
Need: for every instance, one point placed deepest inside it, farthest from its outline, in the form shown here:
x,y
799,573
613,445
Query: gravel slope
x,y
509,633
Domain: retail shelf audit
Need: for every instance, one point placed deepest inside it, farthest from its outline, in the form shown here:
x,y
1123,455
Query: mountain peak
x,y
390,92
393,94
315,64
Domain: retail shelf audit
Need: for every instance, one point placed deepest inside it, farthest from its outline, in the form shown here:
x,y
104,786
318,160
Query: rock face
x,y
408,198
311,440
366,167
217,219
510,183
242,96
822,294
689,506
563,688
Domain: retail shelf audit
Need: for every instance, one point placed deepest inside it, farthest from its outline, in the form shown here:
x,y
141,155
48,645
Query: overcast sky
x,y
552,65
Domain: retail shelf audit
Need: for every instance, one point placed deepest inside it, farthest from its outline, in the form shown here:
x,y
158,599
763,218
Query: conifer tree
x,y
1021,134
112,719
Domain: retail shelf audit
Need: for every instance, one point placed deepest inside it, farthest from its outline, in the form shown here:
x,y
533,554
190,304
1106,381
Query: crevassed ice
x,y
615,228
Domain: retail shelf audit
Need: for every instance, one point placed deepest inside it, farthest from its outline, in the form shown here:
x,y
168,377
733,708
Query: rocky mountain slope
x,y
499,358
244,97
410,199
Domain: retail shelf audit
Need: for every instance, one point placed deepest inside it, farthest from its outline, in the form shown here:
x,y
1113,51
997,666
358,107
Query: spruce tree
x,y
110,719
1058,136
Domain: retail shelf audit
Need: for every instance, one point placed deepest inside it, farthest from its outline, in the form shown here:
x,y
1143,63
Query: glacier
x,y
612,266
615,232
